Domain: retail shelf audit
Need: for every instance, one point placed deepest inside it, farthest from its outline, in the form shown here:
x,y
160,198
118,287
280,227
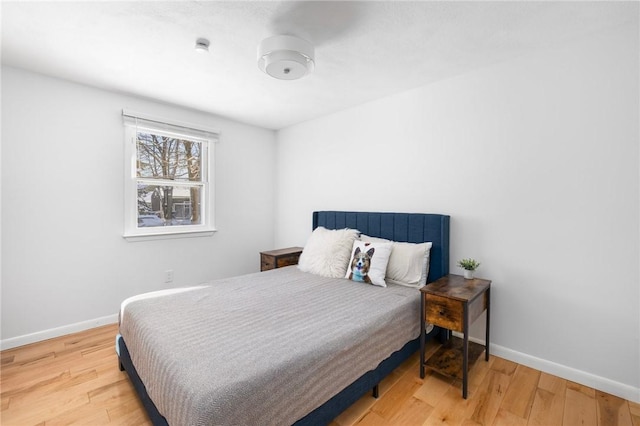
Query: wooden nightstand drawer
x,y
267,262
445,312
288,260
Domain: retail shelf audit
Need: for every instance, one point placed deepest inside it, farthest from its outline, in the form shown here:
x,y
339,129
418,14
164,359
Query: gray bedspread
x,y
265,348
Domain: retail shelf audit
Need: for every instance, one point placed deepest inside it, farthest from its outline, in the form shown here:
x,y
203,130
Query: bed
x,y
281,346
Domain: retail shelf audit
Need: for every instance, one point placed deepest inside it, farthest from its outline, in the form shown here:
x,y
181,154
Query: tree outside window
x,y
167,188
165,158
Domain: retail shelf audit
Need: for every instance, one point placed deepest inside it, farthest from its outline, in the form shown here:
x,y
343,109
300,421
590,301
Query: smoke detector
x,y
202,45
286,57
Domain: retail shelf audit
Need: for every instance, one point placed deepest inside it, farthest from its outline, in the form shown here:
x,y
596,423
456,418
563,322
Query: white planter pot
x,y
468,274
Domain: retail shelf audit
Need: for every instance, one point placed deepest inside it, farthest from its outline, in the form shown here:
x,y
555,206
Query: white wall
x,y
65,264
537,162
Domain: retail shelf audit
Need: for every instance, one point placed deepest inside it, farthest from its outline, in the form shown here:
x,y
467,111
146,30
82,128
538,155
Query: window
x,y
167,186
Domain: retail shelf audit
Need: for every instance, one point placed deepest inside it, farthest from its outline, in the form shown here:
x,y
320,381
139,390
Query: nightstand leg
x,y
486,342
465,353
422,336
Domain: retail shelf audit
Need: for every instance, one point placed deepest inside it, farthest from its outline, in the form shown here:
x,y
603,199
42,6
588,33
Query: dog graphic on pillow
x,y
360,265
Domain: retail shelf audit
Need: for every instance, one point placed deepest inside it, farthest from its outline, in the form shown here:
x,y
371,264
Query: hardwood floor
x,y
75,380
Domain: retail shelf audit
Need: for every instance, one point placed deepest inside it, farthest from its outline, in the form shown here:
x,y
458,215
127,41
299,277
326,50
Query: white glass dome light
x,y
286,57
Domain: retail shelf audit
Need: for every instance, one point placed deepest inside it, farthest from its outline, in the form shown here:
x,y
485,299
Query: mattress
x,y
264,348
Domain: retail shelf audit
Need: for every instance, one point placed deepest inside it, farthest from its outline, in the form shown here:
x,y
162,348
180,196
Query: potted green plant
x,y
469,266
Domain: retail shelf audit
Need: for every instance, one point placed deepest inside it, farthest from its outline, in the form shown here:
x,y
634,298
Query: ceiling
x,y
364,50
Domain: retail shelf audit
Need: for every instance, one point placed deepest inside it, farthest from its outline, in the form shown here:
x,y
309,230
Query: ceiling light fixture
x,y
202,45
286,57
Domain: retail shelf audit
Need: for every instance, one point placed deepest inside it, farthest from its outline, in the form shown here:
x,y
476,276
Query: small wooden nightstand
x,y
454,303
273,259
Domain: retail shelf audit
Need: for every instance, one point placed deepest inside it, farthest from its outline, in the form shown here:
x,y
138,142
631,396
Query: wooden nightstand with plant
x,y
454,302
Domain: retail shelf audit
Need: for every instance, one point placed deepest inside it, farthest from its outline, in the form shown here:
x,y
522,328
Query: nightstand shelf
x,y
448,359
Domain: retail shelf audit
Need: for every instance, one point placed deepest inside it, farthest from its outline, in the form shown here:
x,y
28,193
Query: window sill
x,y
153,236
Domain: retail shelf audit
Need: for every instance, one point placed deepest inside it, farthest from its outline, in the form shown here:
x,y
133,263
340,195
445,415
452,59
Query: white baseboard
x,y
39,336
582,377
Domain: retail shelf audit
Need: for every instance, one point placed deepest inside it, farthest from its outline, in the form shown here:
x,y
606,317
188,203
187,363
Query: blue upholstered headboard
x,y
407,227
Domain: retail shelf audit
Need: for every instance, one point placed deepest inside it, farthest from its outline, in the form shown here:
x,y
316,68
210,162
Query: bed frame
x,y
406,227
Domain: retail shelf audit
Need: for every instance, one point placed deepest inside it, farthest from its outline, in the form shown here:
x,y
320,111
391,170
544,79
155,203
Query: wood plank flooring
x,y
75,380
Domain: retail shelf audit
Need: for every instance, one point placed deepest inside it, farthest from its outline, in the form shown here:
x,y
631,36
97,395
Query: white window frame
x,y
133,121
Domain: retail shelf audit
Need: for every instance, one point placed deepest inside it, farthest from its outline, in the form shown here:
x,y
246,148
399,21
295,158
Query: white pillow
x,y
368,262
408,263
327,252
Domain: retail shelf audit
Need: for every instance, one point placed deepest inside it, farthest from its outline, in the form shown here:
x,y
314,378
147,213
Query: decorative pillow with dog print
x,y
368,262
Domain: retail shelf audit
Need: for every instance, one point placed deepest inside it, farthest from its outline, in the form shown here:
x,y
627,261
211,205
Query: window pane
x,y
169,205
165,157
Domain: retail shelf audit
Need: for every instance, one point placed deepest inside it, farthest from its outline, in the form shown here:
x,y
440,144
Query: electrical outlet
x,y
168,276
